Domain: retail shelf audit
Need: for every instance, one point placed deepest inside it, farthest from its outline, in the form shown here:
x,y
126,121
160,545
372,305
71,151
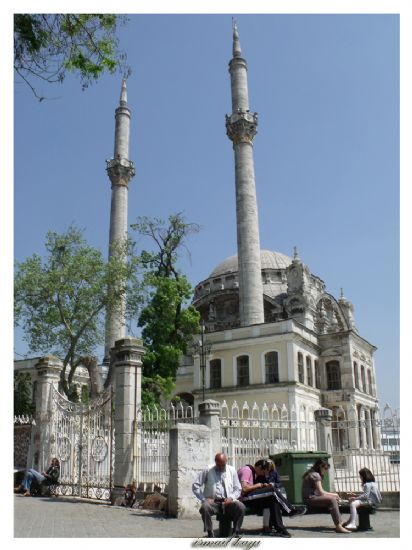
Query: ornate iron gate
x,y
81,436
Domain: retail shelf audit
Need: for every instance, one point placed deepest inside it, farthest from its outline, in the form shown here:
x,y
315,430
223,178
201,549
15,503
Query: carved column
x,y
128,354
48,370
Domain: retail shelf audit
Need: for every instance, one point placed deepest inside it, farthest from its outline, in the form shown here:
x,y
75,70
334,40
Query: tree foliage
x,y
47,46
168,323
22,394
61,300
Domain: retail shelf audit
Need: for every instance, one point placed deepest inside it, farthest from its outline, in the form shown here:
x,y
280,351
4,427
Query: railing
x,y
249,434
372,443
151,445
23,419
348,463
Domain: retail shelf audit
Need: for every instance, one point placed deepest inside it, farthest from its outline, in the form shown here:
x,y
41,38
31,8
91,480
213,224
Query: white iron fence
x,y
248,434
372,443
151,445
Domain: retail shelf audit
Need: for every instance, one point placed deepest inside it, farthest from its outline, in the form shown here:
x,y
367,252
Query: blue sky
x,y
326,88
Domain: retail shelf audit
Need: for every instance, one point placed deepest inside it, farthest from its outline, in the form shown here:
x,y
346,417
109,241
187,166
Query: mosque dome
x,y
269,260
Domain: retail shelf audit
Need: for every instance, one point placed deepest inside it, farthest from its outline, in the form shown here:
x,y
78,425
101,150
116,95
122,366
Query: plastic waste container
x,y
292,465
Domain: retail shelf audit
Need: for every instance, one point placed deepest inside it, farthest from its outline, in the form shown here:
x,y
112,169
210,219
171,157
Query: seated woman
x,y
315,496
49,477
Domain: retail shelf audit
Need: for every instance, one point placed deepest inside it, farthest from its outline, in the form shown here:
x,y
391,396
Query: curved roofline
x,y
230,264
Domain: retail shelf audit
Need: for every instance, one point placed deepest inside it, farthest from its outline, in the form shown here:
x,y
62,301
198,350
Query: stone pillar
x,y
48,371
127,355
376,432
353,428
323,418
209,415
368,427
362,428
189,454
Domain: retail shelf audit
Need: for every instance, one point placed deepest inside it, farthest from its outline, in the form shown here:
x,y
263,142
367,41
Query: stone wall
x,y
22,435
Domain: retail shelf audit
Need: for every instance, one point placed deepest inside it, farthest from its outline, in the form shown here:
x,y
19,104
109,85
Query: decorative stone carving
x,y
120,171
241,127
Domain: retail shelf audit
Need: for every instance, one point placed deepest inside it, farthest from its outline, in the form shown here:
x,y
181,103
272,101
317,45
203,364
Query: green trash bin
x,y
292,465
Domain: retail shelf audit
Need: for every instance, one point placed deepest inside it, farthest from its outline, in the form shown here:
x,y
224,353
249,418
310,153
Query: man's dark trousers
x,y
235,510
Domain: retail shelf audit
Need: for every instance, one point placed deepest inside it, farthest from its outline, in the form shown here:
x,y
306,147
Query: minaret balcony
x,y
120,170
241,126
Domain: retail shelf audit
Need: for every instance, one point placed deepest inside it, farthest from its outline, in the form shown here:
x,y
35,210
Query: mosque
x,y
271,331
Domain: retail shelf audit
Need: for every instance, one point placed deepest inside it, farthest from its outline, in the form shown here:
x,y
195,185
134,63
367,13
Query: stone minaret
x,y
120,171
241,129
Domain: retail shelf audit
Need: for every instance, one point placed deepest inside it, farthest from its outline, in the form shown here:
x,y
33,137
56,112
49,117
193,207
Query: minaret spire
x,y
123,94
237,52
241,128
120,171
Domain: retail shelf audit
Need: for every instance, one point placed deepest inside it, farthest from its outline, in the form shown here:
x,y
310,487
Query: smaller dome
x,y
269,260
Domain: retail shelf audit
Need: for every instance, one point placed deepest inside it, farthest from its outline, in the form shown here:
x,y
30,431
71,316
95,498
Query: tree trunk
x,y
96,381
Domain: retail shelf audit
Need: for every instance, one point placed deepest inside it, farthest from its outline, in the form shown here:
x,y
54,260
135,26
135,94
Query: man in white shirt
x,y
218,488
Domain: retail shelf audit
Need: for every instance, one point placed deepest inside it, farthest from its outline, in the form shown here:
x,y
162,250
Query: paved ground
x,y
67,517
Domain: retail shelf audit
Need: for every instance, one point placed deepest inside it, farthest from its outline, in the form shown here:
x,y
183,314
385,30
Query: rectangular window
x,y
243,370
271,368
215,373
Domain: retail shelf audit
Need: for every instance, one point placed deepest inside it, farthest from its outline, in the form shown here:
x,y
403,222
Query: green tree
x,y
61,300
22,394
47,46
168,323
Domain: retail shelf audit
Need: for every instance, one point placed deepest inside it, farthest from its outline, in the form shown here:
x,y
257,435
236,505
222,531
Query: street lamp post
x,y
204,350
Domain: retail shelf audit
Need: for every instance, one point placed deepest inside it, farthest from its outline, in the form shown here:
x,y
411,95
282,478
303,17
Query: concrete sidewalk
x,y
73,518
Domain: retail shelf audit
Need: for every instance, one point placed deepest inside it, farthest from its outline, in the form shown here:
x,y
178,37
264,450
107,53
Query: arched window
x,y
215,373
362,371
242,370
301,374
356,374
271,367
370,382
333,375
317,374
309,375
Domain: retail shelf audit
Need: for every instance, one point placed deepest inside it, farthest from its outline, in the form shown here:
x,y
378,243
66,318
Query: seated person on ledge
x,y
260,495
218,489
49,477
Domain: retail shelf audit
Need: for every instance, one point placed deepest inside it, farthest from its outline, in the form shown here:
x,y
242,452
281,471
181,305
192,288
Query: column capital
x,y
49,366
128,350
323,415
209,407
